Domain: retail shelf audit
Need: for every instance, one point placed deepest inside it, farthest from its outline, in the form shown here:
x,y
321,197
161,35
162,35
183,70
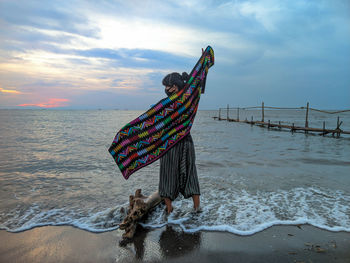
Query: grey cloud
x,y
56,15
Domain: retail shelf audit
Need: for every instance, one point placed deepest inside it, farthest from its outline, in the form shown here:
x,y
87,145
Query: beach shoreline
x,y
302,243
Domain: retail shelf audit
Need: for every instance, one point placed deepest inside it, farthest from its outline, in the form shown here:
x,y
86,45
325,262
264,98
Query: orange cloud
x,y
10,91
51,103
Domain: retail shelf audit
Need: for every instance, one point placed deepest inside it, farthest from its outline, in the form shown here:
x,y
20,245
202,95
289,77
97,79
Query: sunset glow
x,y
10,91
51,103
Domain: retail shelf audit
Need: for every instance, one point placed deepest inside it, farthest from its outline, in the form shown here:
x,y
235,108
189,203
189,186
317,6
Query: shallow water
x,y
55,170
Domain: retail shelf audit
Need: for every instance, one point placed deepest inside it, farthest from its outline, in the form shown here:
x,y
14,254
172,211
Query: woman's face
x,y
173,89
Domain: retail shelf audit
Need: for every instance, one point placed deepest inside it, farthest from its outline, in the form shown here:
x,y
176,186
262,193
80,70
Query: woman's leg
x,y
188,174
168,204
196,201
168,181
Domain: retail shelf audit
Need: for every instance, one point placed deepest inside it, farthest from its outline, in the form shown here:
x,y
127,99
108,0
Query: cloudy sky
x,y
114,54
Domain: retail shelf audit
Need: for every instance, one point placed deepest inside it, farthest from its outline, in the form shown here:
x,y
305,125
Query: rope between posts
x,y
266,107
329,112
286,108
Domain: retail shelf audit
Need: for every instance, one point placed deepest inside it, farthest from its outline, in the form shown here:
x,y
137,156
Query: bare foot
x,y
196,202
168,204
170,210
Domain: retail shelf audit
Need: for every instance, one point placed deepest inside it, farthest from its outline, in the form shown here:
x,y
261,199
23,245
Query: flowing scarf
x,y
151,135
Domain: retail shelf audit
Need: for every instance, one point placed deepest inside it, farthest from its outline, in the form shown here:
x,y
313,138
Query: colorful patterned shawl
x,y
148,137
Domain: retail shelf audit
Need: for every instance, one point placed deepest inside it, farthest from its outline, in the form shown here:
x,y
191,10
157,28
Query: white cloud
x,y
157,35
267,13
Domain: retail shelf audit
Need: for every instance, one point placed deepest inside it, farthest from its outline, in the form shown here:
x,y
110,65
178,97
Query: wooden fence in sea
x,y
336,132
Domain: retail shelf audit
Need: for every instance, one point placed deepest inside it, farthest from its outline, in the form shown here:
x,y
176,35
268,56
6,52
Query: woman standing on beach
x,y
178,173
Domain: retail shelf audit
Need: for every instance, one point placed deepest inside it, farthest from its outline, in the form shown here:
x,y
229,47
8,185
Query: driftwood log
x,y
139,206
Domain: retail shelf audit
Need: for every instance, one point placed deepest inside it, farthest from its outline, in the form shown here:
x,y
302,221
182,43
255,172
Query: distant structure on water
x,y
336,132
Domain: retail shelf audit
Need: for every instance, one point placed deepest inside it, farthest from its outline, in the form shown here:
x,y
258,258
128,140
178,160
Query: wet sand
x,y
169,244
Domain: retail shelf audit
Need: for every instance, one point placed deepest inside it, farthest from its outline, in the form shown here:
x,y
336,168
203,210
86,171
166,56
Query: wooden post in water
x,y
307,117
338,127
324,128
279,123
238,114
251,123
227,118
219,114
292,127
262,111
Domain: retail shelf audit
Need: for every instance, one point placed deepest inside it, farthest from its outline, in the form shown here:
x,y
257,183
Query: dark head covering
x,y
175,79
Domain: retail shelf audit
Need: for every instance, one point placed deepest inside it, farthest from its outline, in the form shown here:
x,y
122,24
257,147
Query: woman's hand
x,y
172,89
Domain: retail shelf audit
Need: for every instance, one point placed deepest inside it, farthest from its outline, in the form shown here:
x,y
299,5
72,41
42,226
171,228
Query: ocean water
x,y
55,170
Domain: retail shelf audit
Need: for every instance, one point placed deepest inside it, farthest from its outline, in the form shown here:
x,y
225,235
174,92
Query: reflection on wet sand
x,y
173,242
139,242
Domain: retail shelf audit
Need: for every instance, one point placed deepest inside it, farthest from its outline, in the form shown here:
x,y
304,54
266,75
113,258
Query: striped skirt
x,y
178,173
